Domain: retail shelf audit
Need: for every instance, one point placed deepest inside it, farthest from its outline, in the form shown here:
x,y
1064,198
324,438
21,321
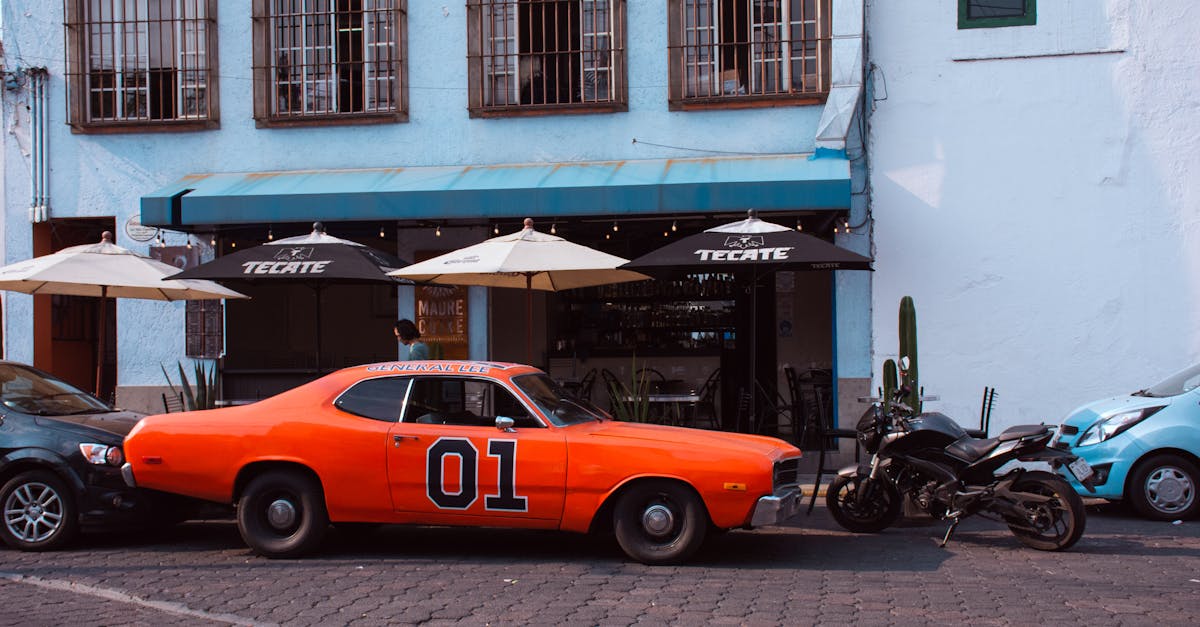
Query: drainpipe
x,y
39,203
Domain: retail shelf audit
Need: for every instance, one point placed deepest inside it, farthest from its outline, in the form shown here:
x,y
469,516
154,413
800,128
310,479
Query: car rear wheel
x,y
282,514
660,522
1163,487
39,512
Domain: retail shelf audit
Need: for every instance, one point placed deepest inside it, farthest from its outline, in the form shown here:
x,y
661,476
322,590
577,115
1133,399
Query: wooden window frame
x,y
265,85
616,86
1029,19
79,73
741,93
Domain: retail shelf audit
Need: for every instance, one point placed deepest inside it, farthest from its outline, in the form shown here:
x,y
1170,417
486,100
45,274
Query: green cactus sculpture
x,y
908,348
889,381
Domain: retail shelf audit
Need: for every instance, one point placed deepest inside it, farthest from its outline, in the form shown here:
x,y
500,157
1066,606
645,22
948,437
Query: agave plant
x,y
206,392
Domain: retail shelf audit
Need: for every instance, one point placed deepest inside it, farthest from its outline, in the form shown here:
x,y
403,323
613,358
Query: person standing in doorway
x,y
409,336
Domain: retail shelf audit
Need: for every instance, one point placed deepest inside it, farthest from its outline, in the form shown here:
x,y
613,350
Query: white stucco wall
x,y
1035,190
104,175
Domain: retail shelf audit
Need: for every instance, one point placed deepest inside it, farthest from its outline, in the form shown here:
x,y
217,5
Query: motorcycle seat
x,y
1021,431
970,449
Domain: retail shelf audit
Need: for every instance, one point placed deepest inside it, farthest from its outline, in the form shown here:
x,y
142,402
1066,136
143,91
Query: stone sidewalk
x,y
1125,571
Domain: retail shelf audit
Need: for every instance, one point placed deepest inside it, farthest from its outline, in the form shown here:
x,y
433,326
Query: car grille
x,y
787,472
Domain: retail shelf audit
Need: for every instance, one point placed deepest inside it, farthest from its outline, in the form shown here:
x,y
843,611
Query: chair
x,y
586,384
172,403
985,414
814,400
618,394
706,407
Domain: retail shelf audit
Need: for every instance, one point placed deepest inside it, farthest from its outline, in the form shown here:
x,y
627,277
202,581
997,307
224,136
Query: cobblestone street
x,y
1125,571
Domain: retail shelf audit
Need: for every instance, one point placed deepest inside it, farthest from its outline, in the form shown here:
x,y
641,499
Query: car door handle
x,y
397,439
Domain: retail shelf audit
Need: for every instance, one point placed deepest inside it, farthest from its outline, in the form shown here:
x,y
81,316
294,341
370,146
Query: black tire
x,y
282,514
1060,522
1163,487
660,522
877,513
39,512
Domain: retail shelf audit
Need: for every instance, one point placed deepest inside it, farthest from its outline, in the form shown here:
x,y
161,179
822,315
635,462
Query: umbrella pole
x,y
100,339
529,318
318,338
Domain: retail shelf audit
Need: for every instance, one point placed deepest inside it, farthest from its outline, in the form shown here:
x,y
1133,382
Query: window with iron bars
x,y
329,61
546,56
748,52
141,64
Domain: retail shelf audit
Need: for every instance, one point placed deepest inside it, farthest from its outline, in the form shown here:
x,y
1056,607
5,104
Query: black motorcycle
x,y
930,460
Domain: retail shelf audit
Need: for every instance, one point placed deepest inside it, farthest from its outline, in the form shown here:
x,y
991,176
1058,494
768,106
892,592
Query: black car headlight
x,y
102,454
1109,425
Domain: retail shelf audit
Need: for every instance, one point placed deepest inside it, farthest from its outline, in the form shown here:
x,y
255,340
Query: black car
x,y
60,461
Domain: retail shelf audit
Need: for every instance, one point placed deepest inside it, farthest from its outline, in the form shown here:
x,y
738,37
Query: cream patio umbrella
x,y
527,259
105,270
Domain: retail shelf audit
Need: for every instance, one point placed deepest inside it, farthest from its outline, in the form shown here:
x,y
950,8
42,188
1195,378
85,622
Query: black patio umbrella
x,y
749,249
316,260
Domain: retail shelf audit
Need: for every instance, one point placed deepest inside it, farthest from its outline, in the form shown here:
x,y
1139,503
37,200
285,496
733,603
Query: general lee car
x,y
461,443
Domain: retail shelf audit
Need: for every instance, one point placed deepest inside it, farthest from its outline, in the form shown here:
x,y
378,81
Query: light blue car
x,y
1144,447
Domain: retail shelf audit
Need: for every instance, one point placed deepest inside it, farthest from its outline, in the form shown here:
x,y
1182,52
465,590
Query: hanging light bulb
x,y
233,244
799,225
608,236
270,234
381,234
673,227
666,233
189,242
438,231
553,228
212,241
495,229
615,227
845,225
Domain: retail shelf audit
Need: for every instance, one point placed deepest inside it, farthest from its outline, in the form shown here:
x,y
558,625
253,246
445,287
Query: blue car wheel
x,y
1163,487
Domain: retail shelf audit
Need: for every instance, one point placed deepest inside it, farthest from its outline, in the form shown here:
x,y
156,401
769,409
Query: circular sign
x,y
137,231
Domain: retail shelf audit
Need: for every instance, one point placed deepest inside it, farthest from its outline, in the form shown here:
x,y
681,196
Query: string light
x,y
233,244
212,241
438,231
381,235
845,225
799,225
673,227
608,236
553,228
615,227
495,229
270,234
189,242
666,233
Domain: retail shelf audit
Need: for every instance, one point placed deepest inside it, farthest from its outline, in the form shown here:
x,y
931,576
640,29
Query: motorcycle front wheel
x,y
1054,524
878,509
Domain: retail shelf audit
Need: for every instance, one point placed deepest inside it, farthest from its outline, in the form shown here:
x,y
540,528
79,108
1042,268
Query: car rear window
x,y
378,399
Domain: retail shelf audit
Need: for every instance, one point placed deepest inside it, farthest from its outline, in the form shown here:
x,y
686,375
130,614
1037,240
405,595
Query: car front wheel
x,y
282,514
1163,487
660,522
39,512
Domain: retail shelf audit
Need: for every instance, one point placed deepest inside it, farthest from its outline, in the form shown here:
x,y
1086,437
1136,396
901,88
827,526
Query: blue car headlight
x,y
1110,425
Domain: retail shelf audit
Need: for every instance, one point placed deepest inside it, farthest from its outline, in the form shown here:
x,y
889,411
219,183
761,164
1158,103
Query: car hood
x,y
694,438
1085,415
115,422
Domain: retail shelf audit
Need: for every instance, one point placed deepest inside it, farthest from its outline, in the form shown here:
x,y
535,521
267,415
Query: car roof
x,y
498,370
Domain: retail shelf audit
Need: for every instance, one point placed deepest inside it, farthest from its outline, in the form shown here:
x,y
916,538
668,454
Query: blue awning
x,y
618,188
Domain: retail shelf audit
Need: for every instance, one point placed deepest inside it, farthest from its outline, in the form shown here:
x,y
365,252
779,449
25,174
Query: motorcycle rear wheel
x,y
878,512
1060,521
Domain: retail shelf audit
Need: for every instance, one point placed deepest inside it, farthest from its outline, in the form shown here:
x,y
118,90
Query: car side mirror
x,y
505,424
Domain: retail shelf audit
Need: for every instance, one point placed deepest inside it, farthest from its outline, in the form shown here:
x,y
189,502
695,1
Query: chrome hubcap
x,y
33,512
658,520
1170,489
281,514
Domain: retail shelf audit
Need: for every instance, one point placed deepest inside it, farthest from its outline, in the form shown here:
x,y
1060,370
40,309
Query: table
x,y
671,404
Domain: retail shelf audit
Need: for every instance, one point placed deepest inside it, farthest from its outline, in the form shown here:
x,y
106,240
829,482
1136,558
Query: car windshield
x,y
33,392
1176,384
558,405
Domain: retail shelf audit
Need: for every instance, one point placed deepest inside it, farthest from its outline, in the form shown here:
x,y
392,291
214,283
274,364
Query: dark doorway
x,y
65,328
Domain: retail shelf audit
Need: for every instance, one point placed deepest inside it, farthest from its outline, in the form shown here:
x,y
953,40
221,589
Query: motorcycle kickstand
x,y
953,526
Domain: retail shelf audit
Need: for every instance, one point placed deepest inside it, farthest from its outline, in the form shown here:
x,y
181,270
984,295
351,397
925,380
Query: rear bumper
x,y
777,508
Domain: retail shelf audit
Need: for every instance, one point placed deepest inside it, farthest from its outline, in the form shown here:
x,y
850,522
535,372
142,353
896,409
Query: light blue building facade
x,y
630,121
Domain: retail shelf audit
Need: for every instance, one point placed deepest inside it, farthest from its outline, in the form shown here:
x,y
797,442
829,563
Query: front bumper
x,y
777,508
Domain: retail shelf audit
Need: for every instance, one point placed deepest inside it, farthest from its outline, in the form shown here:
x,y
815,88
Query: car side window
x,y
464,402
377,399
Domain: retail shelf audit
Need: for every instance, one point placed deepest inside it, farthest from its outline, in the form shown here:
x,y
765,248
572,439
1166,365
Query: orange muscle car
x,y
461,443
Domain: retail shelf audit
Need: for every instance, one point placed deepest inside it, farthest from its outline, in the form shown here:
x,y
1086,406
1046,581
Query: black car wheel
x,y
39,512
660,522
1163,487
282,514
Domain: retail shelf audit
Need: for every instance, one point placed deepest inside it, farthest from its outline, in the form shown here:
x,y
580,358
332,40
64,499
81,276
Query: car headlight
x,y
102,454
1112,424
